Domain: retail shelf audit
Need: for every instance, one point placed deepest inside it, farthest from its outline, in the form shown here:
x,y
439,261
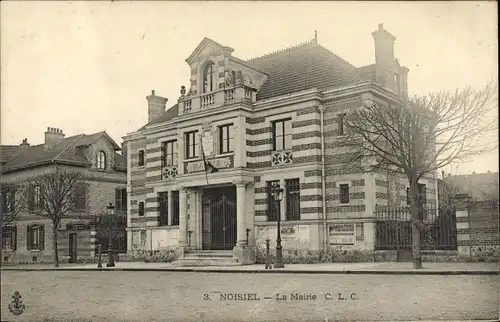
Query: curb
x,y
262,271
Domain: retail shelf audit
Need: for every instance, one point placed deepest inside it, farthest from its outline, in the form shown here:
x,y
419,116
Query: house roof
x,y
64,151
294,69
303,67
166,116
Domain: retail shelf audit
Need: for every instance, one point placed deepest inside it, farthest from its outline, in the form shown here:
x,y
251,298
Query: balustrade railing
x,y
187,106
207,100
228,95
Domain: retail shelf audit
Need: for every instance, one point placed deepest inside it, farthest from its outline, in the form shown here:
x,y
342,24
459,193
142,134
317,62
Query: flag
x,y
209,168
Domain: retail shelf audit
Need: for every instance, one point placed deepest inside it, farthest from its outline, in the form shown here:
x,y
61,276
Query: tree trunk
x,y
415,228
54,244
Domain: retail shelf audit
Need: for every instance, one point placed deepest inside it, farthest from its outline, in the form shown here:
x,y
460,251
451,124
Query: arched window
x,y
208,77
101,160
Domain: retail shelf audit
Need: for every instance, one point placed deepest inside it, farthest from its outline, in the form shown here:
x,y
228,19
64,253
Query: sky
x,y
86,67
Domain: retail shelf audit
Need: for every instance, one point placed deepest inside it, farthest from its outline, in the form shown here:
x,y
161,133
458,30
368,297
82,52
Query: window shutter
x,y
41,238
118,200
124,199
28,237
13,200
42,198
31,198
4,199
13,240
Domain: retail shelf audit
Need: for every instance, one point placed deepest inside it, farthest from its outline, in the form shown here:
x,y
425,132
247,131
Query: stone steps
x,y
207,258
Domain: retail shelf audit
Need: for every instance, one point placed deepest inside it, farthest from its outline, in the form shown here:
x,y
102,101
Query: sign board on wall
x,y
341,234
219,163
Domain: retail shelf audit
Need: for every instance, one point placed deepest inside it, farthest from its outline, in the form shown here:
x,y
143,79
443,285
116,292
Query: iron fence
x,y
112,228
393,228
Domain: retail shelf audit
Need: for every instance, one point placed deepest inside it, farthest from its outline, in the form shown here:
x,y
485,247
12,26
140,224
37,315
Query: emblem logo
x,y
17,306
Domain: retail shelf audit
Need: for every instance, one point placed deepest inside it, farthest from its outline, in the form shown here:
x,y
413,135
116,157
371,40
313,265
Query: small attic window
x,y
101,160
208,77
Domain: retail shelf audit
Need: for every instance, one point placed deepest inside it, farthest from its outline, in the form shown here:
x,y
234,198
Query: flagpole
x,y
204,159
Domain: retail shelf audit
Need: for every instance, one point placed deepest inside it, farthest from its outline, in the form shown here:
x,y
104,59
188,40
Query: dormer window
x,y
208,77
101,160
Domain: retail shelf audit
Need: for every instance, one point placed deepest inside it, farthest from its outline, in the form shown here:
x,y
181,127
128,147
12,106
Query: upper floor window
x,y
341,121
225,138
170,153
282,135
121,200
9,199
80,194
37,197
191,139
208,77
101,160
141,208
344,193
141,158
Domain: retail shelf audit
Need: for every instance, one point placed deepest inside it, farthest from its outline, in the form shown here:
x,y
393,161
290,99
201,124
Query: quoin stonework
x,y
28,238
276,118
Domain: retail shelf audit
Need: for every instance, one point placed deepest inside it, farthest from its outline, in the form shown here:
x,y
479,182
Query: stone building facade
x,y
276,118
29,237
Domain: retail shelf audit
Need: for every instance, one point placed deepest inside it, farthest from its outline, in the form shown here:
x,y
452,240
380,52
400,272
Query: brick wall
x,y
478,228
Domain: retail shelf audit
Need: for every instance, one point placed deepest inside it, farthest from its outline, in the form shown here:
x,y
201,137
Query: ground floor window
x,y
35,237
9,238
175,208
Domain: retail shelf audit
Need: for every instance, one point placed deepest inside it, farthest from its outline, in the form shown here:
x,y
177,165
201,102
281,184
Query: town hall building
x,y
199,172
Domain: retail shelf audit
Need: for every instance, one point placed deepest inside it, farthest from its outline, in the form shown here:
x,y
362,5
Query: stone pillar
x,y
169,208
240,214
183,218
93,240
242,250
462,214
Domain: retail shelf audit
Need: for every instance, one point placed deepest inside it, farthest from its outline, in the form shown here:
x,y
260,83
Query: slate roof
x,y
168,115
295,69
65,151
303,67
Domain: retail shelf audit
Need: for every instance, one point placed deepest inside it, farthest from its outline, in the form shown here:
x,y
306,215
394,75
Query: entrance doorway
x,y
72,247
219,218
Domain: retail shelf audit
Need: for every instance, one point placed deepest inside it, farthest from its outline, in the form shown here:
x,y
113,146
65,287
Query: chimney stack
x,y
124,149
156,106
53,136
384,45
25,143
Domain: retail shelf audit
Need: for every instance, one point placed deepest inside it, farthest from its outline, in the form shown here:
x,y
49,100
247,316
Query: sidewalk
x,y
389,268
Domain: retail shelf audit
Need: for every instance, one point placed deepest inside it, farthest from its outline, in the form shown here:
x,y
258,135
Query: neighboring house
x,y
29,237
479,186
259,121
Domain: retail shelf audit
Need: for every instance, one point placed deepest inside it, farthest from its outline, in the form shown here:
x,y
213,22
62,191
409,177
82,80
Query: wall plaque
x,y
219,163
341,234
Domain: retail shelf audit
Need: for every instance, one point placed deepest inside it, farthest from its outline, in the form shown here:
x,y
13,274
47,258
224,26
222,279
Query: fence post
x,y
463,225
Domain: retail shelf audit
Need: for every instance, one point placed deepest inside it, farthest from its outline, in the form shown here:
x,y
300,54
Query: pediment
x,y
207,48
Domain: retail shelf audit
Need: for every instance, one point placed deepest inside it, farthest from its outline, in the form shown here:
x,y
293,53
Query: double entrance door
x,y
219,218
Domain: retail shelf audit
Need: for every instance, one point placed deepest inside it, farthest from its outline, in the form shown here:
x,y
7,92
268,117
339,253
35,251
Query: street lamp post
x,y
277,193
111,212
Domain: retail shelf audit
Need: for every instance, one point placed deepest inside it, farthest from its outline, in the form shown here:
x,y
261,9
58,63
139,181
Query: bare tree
x,y
12,202
53,195
419,136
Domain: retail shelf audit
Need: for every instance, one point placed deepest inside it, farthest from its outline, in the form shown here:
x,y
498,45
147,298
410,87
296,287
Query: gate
x,y
112,228
219,224
393,229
